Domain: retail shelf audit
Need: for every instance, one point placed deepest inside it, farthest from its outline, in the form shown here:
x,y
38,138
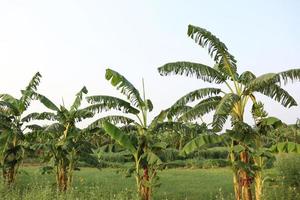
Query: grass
x,y
90,183
111,184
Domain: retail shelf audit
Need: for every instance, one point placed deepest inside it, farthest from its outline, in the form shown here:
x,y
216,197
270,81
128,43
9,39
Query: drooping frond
x,y
82,114
115,119
119,136
125,87
292,74
5,122
172,126
262,81
34,127
246,77
216,49
10,99
9,108
110,103
200,142
223,109
45,101
129,128
200,71
203,107
278,94
78,99
272,78
177,111
54,128
197,94
39,116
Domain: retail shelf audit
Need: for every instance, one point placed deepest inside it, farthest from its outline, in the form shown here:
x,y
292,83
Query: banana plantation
x,y
120,132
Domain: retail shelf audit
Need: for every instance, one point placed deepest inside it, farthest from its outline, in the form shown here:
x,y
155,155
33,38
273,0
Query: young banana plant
x,y
141,142
62,143
12,129
232,102
261,154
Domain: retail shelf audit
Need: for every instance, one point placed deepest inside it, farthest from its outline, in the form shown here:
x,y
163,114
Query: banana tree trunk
x,y
145,192
138,177
71,167
236,186
70,176
9,175
258,181
258,185
245,180
62,177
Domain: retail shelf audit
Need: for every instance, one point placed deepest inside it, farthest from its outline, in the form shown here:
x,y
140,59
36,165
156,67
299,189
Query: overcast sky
x,y
71,43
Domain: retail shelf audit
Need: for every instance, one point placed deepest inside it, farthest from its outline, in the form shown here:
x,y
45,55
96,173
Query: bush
x,y
214,163
211,153
117,157
207,163
288,166
175,164
170,155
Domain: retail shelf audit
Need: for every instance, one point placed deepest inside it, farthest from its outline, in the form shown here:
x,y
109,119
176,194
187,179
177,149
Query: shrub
x,y
214,163
207,163
170,155
175,164
288,166
118,157
211,153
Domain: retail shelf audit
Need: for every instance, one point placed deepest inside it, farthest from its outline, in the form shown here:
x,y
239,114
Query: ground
x,y
106,184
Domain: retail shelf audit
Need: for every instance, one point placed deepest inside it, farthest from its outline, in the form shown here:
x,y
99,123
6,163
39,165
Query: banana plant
x,y
12,128
264,127
185,130
141,139
231,102
62,142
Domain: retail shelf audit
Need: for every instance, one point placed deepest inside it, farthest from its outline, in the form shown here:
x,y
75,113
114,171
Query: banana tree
x,y
62,143
141,140
185,130
12,129
231,102
261,154
274,137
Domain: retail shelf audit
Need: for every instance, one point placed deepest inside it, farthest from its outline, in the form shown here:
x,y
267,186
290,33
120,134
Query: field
x,y
91,183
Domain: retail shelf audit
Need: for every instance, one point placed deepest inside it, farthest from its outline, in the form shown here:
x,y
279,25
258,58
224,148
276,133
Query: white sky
x,y
71,43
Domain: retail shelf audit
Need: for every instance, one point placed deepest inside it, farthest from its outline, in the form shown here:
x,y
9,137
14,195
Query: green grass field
x,y
90,183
